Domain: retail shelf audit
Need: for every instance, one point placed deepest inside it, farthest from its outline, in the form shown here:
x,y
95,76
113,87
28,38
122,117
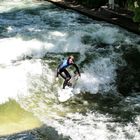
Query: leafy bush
x,y
137,14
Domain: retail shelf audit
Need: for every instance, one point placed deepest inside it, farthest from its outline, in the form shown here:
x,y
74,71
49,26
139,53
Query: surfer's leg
x,y
63,74
68,77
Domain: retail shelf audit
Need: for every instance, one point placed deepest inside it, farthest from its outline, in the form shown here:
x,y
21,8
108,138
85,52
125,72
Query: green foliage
x,y
131,5
135,6
137,14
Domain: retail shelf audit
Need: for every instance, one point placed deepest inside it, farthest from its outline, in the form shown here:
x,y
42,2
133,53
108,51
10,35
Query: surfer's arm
x,y
77,69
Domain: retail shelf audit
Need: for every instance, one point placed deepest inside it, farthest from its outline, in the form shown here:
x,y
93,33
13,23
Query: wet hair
x,y
71,57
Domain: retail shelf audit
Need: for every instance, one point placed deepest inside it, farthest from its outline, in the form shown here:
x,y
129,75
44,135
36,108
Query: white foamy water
x,y
8,5
34,38
14,49
14,79
98,76
93,126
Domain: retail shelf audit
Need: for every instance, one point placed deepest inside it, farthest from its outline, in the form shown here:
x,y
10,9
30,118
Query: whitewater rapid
x,y
34,38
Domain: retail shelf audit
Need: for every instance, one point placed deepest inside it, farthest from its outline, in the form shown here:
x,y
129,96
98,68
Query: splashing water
x,y
34,38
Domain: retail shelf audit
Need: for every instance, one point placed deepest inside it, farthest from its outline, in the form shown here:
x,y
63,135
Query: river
x,y
34,38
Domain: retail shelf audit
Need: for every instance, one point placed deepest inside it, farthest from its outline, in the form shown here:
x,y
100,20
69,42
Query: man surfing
x,y
63,71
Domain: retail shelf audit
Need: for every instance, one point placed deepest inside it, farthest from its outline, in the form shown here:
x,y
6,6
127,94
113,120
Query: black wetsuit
x,y
64,73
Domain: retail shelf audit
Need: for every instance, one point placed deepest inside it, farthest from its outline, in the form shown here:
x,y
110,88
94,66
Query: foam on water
x,y
14,49
32,83
8,5
93,126
15,79
101,71
98,76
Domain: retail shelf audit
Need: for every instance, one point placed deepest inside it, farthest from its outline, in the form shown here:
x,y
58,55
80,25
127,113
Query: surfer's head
x,y
71,59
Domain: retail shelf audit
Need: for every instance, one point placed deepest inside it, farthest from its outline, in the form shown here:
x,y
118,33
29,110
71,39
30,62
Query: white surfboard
x,y
68,92
65,94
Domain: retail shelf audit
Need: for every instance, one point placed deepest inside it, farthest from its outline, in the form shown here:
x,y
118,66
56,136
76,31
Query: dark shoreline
x,y
121,18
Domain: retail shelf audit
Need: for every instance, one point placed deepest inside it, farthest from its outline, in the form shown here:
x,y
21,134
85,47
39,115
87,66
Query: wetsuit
x,y
64,73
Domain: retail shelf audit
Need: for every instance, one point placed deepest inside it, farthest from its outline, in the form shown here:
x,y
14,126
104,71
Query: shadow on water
x,y
42,133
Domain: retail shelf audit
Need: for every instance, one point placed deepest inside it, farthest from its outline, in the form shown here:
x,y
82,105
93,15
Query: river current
x,y
34,38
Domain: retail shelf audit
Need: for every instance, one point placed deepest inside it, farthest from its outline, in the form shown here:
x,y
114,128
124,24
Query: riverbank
x,y
119,17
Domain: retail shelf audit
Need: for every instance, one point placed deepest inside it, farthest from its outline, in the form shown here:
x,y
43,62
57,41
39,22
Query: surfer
x,y
63,71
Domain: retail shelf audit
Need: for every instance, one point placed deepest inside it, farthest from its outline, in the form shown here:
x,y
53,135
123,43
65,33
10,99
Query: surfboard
x,y
65,94
68,92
